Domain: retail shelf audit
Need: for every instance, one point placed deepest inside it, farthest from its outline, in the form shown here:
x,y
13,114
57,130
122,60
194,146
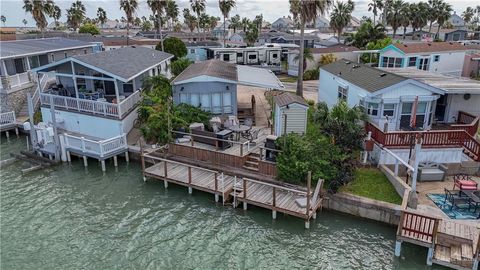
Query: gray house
x,y
212,85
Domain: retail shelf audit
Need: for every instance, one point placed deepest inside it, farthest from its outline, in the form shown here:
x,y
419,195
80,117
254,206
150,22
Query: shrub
x,y
174,46
179,65
312,74
89,28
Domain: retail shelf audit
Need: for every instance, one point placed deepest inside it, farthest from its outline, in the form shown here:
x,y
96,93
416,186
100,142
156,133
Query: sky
x,y
270,9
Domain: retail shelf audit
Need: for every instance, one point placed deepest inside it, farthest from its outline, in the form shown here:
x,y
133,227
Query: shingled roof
x,y
213,68
363,76
429,47
16,48
287,98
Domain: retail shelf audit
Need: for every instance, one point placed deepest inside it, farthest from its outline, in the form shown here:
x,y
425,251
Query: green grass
x,y
287,79
373,184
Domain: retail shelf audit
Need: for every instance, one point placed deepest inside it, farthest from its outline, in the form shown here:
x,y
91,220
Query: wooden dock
x,y
276,198
450,243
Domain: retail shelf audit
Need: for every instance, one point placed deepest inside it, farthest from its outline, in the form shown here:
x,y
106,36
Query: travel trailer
x,y
265,56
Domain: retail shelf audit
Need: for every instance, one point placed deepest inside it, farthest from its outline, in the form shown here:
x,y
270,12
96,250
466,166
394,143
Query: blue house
x,y
439,57
197,50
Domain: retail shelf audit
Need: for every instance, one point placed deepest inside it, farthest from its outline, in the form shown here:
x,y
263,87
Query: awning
x,y
258,77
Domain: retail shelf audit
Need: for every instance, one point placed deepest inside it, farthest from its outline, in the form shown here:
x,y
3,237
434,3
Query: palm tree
x,y
433,6
225,7
157,7
307,55
308,11
251,34
204,23
341,16
468,14
24,21
405,18
394,16
245,23
38,9
171,10
258,21
3,19
101,16
55,14
385,10
198,6
235,22
76,14
374,6
129,7
189,19
418,16
444,11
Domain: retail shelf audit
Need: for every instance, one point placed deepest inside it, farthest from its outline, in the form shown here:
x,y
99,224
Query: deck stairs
x,y
45,82
251,163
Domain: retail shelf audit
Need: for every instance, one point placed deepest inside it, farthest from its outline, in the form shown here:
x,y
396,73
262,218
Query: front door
x,y
424,64
441,108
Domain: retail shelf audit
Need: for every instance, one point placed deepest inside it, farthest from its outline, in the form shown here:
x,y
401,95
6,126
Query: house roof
x,y
229,72
368,78
125,62
206,43
450,84
287,98
429,47
15,48
334,49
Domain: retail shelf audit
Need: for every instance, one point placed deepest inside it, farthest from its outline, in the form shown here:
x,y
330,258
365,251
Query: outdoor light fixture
x,y
228,88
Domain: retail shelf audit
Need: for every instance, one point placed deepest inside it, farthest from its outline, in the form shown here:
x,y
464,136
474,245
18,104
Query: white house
x,y
96,95
447,114
440,57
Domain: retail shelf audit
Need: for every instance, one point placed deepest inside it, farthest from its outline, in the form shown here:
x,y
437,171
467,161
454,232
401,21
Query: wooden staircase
x,y
251,163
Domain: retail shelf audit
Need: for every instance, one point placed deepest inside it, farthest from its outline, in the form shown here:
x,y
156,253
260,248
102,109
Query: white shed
x,y
290,114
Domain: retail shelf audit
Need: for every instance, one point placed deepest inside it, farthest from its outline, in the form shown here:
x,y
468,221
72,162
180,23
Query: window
x,y
424,64
342,93
84,51
194,100
372,108
205,103
192,50
53,57
226,57
388,110
239,54
252,57
412,62
391,62
274,55
227,103
436,58
217,103
65,54
183,98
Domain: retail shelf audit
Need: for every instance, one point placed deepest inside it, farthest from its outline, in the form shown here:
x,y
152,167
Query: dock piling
x,y
307,224
7,134
85,162
245,205
103,165
16,132
69,157
274,214
127,157
429,255
398,248
165,183
217,198
115,161
190,190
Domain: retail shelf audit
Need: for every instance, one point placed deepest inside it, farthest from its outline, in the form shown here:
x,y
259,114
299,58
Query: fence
x,y
7,119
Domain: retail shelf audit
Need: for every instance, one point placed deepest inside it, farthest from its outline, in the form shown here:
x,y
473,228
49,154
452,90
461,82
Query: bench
x,y
431,171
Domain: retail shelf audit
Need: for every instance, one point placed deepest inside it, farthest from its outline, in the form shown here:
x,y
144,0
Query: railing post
x,y
83,144
189,175
244,188
274,195
241,149
309,181
100,143
216,182
165,169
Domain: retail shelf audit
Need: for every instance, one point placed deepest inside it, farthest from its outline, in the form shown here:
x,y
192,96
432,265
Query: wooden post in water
x,y
216,187
274,202
190,190
309,182
245,205
165,183
142,159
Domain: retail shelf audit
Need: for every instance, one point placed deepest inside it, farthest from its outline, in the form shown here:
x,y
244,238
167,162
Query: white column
x,y
4,68
28,63
117,95
74,80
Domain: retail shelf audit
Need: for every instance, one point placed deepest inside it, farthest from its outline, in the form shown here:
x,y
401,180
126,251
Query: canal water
x,y
72,217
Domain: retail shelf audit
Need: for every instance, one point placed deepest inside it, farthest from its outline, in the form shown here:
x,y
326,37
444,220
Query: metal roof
x,y
287,98
363,76
16,48
240,74
125,62
450,84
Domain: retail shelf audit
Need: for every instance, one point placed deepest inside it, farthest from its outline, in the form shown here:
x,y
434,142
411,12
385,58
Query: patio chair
x,y
233,120
251,135
464,182
455,198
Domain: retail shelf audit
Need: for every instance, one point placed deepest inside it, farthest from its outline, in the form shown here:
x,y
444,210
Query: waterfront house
x,y
212,85
290,114
447,107
441,57
96,94
19,57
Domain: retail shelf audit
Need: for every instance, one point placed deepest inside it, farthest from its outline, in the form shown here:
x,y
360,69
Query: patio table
x,y
238,129
474,196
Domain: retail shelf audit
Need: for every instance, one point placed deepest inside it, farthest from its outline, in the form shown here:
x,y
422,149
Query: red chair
x,y
464,182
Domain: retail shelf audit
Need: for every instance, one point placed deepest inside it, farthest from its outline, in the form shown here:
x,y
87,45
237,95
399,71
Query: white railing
x,y
7,118
19,79
96,148
92,106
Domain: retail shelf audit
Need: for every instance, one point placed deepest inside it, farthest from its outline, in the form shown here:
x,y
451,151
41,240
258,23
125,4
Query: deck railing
x,y
417,227
7,118
12,81
468,122
98,148
245,147
91,106
431,139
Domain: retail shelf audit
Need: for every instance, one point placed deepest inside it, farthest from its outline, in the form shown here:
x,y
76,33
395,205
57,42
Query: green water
x,y
73,217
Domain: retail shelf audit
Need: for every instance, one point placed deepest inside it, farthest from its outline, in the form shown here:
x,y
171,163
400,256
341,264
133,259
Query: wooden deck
x,y
274,197
451,243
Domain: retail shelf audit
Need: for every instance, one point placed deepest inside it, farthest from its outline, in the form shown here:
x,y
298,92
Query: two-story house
x,y
439,57
19,57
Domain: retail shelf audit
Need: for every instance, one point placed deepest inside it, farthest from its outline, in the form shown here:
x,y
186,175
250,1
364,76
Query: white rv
x,y
268,55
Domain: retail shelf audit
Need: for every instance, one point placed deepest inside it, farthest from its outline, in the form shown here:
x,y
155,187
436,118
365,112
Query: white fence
x,y
92,106
12,81
7,118
96,148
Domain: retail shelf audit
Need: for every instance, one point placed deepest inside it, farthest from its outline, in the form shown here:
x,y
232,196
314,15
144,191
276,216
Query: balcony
x,y
90,105
11,82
